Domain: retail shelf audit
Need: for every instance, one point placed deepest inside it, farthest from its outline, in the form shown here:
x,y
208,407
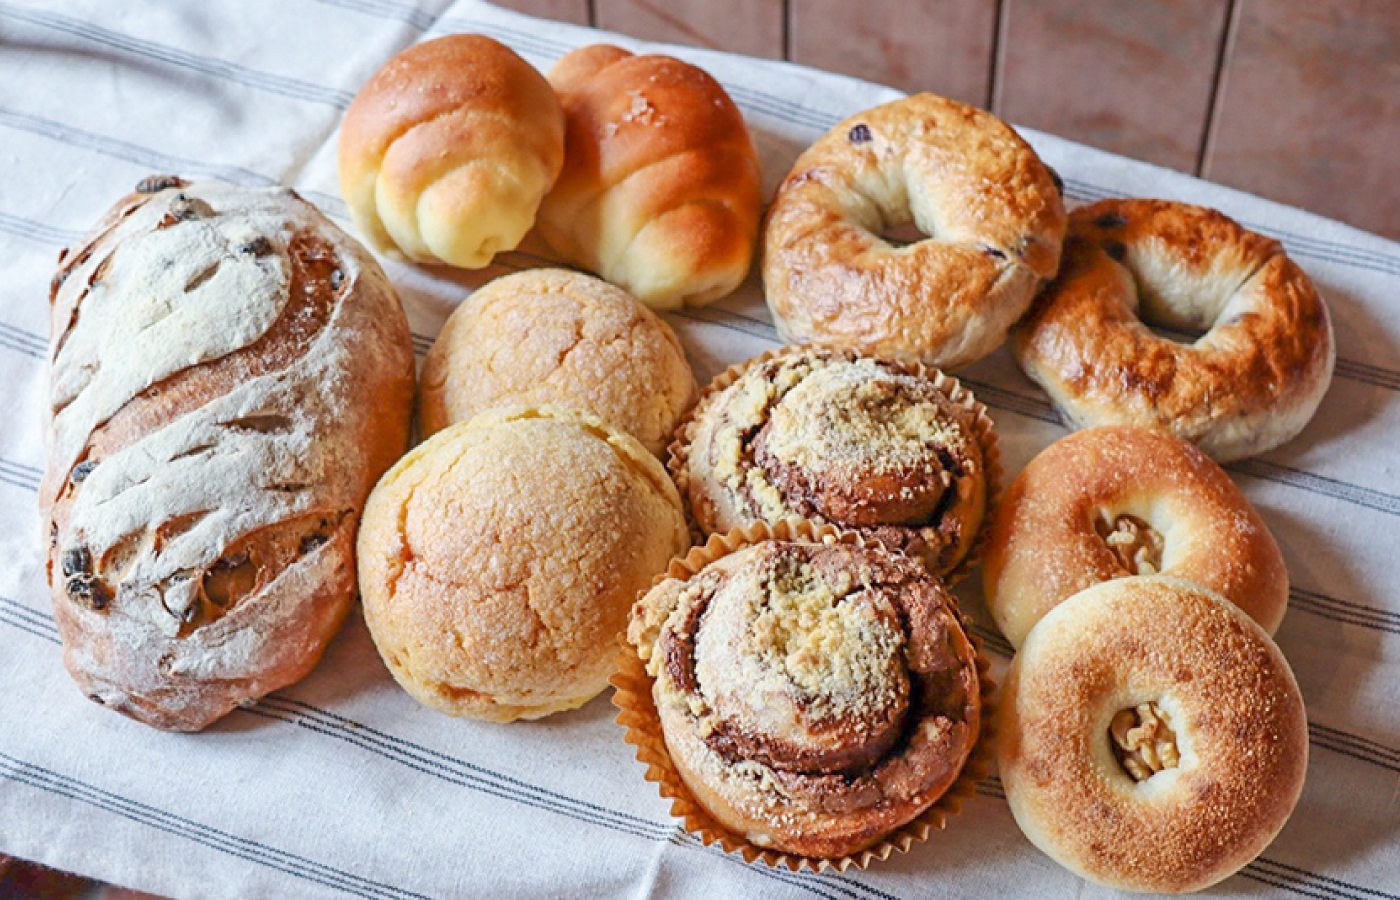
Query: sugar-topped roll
x,y
813,697
900,454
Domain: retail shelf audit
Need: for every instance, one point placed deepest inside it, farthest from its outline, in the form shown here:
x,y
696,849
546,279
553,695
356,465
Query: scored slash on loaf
x,y
229,375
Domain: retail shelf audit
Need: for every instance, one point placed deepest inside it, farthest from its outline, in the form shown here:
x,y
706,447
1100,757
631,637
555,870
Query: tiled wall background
x,y
1297,100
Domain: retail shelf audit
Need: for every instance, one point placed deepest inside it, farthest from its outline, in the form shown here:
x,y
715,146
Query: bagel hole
x,y
1174,335
1136,545
1143,740
902,234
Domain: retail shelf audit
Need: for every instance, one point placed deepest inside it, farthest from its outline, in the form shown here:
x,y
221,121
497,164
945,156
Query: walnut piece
x,y
1143,741
1137,545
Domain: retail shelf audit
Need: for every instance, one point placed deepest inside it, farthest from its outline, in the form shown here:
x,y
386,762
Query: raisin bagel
x,y
991,222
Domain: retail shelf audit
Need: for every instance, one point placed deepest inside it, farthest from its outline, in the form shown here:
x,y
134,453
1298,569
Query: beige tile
x,y
1309,108
1131,77
944,46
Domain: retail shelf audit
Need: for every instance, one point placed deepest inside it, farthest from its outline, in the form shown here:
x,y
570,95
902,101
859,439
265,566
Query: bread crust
x,y
447,150
229,375
1239,720
964,177
660,191
558,337
1249,383
1047,540
499,559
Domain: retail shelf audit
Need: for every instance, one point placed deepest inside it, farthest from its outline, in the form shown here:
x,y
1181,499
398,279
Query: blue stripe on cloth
x,y
281,85
380,9
20,475
154,160
41,778
37,231
470,775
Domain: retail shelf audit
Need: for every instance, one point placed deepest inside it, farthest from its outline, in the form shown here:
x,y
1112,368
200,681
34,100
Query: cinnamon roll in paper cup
x,y
807,698
897,452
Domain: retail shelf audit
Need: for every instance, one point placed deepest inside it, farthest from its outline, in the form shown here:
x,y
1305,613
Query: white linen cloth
x,y
343,785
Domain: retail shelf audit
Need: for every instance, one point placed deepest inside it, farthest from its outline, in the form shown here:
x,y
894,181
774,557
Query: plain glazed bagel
x,y
990,215
1109,502
1151,736
1250,382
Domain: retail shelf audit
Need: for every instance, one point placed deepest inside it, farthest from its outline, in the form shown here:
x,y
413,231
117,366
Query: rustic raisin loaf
x,y
230,374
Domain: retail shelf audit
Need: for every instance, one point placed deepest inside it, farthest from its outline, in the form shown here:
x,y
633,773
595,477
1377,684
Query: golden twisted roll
x,y
446,152
660,190
813,697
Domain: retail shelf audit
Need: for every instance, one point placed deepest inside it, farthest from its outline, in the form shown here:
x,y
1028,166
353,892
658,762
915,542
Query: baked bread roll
x,y
990,220
897,453
1151,736
1261,350
813,697
499,559
230,373
1109,502
660,190
556,337
447,150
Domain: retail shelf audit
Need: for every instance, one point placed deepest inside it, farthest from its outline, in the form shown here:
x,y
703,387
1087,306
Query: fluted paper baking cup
x,y
637,713
980,421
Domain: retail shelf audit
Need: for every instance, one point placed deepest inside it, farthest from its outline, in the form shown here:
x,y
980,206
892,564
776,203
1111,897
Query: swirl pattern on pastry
x,y
813,697
872,445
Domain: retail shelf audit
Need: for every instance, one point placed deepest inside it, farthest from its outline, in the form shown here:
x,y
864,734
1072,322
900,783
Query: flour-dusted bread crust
x,y
660,191
230,373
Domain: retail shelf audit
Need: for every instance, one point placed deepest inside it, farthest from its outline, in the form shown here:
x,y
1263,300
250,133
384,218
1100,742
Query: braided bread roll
x,y
660,190
446,152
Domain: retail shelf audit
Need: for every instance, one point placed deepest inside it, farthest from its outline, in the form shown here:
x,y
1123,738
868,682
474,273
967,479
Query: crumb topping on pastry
x,y
833,437
808,681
